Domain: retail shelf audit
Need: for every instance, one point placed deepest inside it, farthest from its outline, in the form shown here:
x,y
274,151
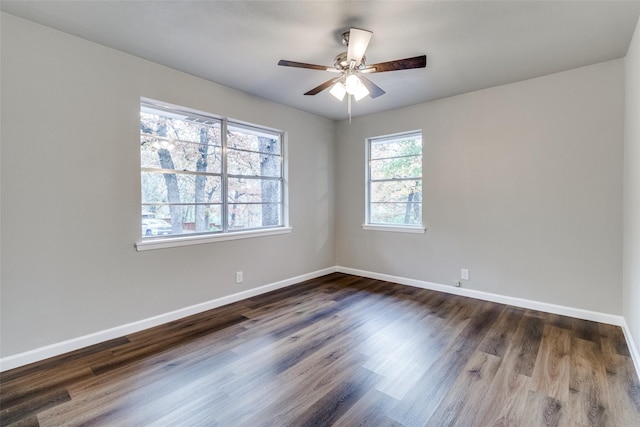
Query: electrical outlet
x,y
238,276
464,274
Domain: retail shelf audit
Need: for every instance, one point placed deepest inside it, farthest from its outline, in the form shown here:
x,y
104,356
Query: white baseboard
x,y
633,348
56,349
486,296
52,350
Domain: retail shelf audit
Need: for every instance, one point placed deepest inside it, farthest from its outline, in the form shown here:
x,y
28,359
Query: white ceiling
x,y
470,45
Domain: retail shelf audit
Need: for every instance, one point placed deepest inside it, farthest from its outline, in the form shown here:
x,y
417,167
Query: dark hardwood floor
x,y
340,350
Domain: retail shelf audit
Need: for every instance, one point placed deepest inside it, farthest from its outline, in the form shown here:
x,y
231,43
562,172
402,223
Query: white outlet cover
x,y
464,274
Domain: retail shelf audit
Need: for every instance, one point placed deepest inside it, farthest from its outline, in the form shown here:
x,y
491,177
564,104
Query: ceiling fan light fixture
x,y
338,91
361,91
355,87
352,82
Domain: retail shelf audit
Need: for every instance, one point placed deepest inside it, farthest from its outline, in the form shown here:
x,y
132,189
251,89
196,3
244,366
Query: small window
x,y
394,181
206,175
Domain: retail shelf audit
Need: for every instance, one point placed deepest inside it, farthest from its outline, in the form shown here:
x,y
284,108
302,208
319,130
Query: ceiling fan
x,y
351,67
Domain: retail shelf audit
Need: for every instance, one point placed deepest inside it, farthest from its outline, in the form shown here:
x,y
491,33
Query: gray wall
x,y
522,185
70,192
631,274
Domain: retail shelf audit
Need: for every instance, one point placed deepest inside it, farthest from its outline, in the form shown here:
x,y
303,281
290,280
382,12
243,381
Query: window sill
x,y
394,228
146,245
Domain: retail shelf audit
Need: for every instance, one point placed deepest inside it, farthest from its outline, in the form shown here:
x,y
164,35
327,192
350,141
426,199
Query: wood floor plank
x,y
497,340
589,398
586,330
340,350
528,345
542,410
38,404
41,385
144,349
289,403
199,410
505,402
464,399
281,355
337,401
401,375
45,366
423,399
622,380
361,413
552,370
556,320
120,396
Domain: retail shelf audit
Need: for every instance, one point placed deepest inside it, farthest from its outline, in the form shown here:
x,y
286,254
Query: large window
x,y
394,180
205,175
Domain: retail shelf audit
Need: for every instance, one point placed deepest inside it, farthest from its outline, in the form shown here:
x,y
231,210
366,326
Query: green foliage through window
x,y
394,186
202,174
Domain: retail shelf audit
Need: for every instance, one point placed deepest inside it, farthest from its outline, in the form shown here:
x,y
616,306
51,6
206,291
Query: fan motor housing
x,y
341,63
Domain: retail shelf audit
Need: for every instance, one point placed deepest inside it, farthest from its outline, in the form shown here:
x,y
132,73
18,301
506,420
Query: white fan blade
x,y
358,42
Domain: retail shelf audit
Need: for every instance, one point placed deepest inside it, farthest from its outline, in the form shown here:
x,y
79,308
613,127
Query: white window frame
x,y
194,239
399,228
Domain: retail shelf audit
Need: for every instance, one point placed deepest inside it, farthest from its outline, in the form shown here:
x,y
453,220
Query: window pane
x,y
253,140
190,146
253,164
183,128
411,145
246,216
160,187
161,153
396,213
396,191
395,179
399,167
248,190
157,219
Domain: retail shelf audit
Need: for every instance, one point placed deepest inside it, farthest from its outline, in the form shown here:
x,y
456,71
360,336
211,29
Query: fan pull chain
x,y
349,107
